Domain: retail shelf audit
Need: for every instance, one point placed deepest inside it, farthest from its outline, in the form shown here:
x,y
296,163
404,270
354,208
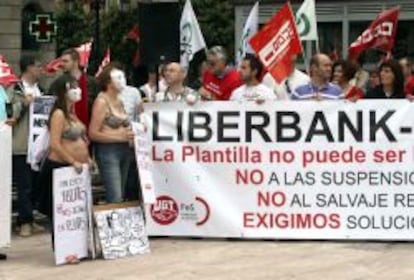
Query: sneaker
x,y
38,228
25,230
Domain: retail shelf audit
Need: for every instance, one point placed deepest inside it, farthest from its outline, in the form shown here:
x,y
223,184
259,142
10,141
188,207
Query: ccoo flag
x,y
250,29
306,21
191,38
277,42
379,34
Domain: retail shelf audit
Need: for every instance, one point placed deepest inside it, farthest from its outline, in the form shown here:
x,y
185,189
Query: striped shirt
x,y
310,91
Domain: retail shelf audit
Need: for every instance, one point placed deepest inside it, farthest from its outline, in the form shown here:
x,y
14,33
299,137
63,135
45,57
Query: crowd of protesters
x,y
86,125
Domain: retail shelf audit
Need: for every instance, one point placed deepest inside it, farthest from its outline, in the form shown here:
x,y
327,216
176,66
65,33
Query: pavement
x,y
180,259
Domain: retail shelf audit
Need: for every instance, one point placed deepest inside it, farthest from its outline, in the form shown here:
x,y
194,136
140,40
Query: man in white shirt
x,y
285,89
176,90
250,72
131,99
150,88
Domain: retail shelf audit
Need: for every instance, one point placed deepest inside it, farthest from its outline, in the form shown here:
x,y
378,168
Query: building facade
x,y
339,23
15,39
15,18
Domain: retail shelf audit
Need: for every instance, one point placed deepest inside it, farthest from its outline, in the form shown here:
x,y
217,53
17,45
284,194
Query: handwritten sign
x,y
72,213
144,163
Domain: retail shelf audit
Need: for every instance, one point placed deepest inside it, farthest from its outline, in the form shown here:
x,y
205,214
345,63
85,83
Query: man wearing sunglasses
x,y
220,80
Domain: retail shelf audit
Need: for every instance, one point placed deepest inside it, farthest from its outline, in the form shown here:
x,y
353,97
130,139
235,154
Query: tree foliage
x,y
76,26
216,20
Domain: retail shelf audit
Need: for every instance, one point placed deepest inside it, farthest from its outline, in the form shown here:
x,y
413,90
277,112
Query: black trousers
x,y
22,175
46,197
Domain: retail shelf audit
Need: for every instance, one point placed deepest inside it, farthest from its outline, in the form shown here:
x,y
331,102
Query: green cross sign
x,y
43,27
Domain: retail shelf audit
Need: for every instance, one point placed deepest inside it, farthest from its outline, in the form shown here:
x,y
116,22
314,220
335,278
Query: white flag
x,y
191,38
250,28
306,21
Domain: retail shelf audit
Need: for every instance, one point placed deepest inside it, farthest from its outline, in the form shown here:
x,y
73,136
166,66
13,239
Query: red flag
x,y
133,34
53,65
380,34
277,42
105,61
7,76
136,61
84,51
334,56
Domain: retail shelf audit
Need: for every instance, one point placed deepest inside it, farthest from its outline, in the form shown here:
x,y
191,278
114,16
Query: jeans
x,y
113,162
22,175
133,190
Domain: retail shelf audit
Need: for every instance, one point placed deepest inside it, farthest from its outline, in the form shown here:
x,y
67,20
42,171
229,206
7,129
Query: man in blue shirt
x,y
319,88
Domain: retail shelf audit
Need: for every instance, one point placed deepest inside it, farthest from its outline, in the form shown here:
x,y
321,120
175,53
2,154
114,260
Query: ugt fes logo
x,y
166,211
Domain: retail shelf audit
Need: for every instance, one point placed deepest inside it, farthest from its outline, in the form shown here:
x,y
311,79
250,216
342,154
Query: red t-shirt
x,y
222,88
409,86
81,107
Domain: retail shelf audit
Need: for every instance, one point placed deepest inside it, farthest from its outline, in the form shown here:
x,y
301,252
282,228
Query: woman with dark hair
x,y
68,144
391,82
342,73
110,129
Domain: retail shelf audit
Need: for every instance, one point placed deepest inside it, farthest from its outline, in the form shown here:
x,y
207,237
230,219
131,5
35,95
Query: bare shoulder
x,y
100,100
58,114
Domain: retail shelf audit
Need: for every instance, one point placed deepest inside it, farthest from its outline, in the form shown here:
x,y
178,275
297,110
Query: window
x,y
404,39
330,37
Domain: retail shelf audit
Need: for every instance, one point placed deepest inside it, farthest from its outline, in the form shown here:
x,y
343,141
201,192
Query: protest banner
x,y
322,170
121,230
5,184
38,120
144,163
72,206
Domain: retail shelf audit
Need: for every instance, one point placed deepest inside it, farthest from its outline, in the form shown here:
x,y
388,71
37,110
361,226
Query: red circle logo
x,y
165,210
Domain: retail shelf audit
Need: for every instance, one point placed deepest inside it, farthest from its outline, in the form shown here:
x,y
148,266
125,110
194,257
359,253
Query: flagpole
x,y
318,50
306,62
